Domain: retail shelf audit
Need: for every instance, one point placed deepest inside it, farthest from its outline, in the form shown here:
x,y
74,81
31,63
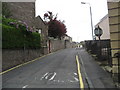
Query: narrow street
x,y
59,70
44,45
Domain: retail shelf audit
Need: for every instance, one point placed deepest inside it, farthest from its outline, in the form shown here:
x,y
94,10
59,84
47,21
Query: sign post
x,y
98,32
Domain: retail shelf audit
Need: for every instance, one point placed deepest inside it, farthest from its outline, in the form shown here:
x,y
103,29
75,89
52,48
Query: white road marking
x,y
76,79
44,75
62,81
75,73
53,76
25,86
58,81
71,81
54,80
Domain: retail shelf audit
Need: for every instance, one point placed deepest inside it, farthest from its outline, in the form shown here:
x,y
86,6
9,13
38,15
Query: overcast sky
x,y
75,14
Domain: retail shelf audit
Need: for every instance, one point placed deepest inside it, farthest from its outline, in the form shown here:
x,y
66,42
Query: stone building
x,y
42,28
68,38
114,24
68,41
23,11
104,25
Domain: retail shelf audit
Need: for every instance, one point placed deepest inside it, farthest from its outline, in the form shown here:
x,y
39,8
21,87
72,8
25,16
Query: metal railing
x,y
117,55
101,49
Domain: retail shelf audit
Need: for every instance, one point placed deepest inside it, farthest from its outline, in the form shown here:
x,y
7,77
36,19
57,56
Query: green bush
x,y
13,37
6,21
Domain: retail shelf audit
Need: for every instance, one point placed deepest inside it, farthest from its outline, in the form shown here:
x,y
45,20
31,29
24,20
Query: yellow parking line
x,y
23,64
79,74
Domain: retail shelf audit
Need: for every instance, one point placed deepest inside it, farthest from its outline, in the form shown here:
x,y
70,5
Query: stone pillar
x,y
0,45
114,23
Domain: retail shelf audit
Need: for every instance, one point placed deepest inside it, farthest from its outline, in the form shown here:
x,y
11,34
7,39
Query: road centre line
x,y
23,64
79,73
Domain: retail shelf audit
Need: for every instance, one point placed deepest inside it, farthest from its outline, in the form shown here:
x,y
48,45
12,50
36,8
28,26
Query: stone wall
x,y
68,44
55,44
12,58
114,23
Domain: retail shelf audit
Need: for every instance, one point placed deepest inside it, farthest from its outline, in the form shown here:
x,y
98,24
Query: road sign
x,y
98,31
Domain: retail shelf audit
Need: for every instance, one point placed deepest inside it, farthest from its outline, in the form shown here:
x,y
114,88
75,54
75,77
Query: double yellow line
x,y
79,73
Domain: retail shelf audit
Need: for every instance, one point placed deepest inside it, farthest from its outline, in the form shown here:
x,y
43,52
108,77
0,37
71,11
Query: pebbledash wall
x,y
104,25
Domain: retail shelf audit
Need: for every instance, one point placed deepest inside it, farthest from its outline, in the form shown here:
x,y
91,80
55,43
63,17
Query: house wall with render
x,y
104,25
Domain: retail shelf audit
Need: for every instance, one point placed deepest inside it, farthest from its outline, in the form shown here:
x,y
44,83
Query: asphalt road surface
x,y
57,70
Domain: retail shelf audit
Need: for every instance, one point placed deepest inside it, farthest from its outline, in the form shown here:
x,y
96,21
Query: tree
x,y
56,28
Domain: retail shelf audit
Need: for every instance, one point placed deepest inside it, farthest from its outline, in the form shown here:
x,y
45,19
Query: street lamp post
x,y
90,17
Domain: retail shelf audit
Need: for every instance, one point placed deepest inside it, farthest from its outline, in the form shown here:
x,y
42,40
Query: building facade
x,y
67,38
42,28
25,12
104,25
22,11
114,24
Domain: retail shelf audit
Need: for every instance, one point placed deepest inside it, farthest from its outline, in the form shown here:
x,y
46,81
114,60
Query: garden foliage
x,y
57,28
16,34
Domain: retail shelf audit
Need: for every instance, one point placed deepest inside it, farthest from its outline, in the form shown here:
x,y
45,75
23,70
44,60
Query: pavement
x,y
59,70
98,77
